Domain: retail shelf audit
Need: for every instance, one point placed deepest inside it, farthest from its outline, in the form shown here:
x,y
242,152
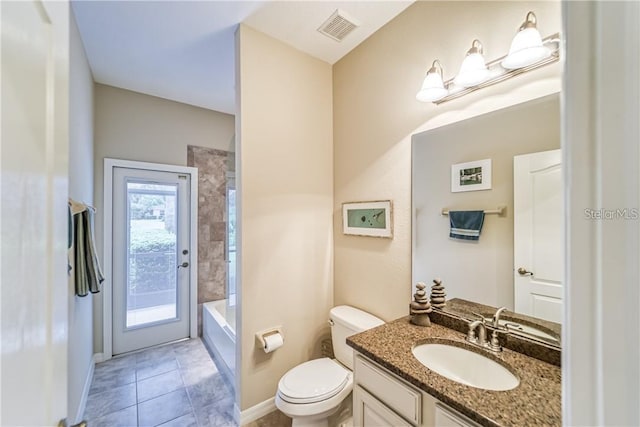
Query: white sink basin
x,y
464,366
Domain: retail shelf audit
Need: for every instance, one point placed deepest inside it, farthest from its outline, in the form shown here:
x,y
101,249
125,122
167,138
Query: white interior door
x,y
151,259
34,134
538,234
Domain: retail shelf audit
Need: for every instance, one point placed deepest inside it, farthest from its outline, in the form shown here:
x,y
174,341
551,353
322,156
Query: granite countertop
x,y
536,400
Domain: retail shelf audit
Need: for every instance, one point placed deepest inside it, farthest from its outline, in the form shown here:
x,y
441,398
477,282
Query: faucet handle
x,y
471,334
473,324
481,317
494,343
509,326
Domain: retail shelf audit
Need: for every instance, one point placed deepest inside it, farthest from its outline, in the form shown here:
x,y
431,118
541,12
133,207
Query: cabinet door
x,y
370,412
446,417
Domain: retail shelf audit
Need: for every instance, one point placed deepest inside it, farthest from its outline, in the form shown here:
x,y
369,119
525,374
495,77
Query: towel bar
x,y
499,211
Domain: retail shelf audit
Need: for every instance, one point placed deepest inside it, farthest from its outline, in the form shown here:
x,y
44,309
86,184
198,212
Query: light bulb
x,y
526,47
432,87
473,70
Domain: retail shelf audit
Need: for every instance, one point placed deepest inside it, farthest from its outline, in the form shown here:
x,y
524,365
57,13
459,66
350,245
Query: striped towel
x,y
466,225
88,275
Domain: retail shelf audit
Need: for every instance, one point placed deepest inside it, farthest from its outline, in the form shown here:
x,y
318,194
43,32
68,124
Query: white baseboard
x,y
98,357
255,412
85,391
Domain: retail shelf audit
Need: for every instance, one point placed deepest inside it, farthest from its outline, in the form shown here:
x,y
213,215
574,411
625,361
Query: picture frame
x,y
372,219
471,176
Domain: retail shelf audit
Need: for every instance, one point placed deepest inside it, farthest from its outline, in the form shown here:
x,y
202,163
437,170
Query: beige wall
x,y
480,271
81,189
285,207
133,126
375,114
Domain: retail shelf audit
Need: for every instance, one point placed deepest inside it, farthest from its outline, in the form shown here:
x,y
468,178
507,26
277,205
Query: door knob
x,y
184,265
524,272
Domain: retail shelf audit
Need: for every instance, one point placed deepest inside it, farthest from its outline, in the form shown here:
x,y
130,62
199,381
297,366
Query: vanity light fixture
x,y
474,69
526,47
528,52
432,87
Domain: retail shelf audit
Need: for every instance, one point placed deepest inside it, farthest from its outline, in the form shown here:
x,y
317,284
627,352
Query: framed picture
x,y
471,176
367,219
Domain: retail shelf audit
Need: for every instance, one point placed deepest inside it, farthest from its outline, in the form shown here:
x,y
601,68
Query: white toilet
x,y
315,390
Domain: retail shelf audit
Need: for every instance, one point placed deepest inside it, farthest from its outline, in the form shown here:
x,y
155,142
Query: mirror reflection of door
x,y
538,234
151,260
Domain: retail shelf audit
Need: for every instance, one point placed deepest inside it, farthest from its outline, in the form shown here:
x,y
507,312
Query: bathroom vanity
x,y
390,395
393,388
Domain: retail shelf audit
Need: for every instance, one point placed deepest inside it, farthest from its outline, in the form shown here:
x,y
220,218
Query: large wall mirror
x,y
518,260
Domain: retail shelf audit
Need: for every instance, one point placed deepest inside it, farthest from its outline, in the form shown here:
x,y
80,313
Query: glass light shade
x,y
432,88
526,49
473,71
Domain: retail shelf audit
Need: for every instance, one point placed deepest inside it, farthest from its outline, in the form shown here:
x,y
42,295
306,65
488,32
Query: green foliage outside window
x,y
152,262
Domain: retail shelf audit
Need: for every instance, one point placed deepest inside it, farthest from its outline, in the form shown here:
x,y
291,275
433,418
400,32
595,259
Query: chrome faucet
x,y
496,317
480,338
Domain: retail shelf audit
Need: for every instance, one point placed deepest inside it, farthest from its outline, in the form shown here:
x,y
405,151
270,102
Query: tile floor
x,y
176,385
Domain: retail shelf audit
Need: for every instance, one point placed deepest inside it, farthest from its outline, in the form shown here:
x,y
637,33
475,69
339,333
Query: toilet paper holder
x,y
260,336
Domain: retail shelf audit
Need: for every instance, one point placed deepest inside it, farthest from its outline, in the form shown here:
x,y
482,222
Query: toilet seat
x,y
313,381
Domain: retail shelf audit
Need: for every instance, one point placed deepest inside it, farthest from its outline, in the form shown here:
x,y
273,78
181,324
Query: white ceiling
x,y
184,50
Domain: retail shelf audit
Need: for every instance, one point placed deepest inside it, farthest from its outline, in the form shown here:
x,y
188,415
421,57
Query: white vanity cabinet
x,y
382,399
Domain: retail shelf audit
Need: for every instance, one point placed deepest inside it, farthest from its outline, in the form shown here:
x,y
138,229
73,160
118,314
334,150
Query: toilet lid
x,y
313,381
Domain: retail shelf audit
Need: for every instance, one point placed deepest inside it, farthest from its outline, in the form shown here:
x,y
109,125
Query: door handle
x,y
184,265
524,272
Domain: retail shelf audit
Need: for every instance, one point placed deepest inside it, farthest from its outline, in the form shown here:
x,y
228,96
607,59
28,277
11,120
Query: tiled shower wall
x,y
212,167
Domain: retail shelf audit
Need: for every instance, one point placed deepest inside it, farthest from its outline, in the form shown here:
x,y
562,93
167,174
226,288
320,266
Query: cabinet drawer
x,y
392,391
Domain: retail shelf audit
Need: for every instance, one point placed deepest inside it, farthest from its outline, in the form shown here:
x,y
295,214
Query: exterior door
x,y
34,186
538,234
151,259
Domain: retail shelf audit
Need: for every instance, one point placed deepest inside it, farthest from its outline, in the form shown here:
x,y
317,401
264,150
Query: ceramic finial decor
x,y
437,294
420,306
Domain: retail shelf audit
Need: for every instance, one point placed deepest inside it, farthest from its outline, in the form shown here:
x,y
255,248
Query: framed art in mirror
x,y
471,176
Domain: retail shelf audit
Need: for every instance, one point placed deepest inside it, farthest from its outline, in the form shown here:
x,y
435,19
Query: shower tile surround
x,y
213,166
175,385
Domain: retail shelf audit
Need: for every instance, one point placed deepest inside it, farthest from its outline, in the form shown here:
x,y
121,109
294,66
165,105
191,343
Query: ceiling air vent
x,y
338,26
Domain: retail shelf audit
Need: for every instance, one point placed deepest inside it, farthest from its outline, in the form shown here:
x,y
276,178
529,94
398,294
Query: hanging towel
x,y
88,275
466,225
69,239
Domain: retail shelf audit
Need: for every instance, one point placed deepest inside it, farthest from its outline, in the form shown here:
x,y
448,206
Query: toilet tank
x,y
346,321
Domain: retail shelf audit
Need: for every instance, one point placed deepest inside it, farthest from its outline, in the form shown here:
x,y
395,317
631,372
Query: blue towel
x,y
466,225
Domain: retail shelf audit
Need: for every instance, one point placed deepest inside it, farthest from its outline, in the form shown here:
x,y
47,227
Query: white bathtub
x,y
218,331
